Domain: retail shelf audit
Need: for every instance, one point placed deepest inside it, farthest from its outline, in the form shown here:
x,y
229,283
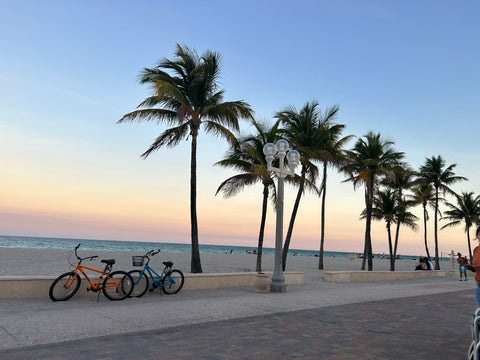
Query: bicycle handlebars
x,y
152,253
85,258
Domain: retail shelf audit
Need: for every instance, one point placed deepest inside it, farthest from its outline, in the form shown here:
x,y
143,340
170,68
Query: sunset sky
x,y
69,71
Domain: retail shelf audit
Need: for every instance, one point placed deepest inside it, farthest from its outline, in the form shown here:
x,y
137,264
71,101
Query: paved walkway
x,y
435,326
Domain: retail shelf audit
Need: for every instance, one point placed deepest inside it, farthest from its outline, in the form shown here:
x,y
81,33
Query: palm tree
x,y
301,130
435,173
385,207
403,179
389,206
185,94
467,210
330,152
404,217
423,194
247,157
370,158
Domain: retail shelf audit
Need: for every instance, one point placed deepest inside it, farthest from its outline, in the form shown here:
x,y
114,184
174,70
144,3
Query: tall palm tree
x,y
389,206
467,210
435,173
385,207
185,95
403,179
370,158
330,151
424,194
301,130
247,157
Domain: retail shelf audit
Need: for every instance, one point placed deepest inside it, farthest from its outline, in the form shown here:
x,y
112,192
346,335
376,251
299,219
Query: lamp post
x,y
281,149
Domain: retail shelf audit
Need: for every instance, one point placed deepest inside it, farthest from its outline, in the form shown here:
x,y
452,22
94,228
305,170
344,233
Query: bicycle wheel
x,y
172,283
64,287
140,283
117,285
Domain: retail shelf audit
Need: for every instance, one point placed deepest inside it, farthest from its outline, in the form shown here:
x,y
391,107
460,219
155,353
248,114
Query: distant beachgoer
x,y
231,251
462,262
422,264
475,266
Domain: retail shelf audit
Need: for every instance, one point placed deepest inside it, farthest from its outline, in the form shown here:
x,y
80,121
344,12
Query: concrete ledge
x,y
357,276
38,286
224,280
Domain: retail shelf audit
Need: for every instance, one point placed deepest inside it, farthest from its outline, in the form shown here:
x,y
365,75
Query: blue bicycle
x,y
170,281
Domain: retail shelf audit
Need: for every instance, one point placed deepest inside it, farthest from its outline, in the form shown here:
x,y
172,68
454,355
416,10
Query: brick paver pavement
x,y
420,327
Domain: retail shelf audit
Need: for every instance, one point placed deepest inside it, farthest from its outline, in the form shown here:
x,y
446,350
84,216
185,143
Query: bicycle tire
x,y
118,285
64,287
172,282
141,288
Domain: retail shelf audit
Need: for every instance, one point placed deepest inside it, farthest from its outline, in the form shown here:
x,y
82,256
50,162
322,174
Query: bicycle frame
x,y
155,281
95,286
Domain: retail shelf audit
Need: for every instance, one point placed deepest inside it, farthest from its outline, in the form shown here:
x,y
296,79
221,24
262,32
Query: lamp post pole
x,y
281,150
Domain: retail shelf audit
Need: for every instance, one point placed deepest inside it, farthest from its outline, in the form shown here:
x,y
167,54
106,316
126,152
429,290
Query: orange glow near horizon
x,y
158,210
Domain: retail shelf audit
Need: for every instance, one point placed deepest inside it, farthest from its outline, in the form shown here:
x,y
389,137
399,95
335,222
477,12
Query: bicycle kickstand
x,y
98,297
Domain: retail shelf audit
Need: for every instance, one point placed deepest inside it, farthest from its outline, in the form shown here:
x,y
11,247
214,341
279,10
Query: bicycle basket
x,y
137,260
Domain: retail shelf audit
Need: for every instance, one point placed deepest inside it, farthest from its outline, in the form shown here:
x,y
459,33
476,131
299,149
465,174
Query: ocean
x,y
117,245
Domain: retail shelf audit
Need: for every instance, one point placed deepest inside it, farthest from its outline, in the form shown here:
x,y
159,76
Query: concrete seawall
x,y
38,286
358,276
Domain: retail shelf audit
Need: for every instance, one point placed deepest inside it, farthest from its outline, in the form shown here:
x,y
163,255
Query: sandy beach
x,y
38,262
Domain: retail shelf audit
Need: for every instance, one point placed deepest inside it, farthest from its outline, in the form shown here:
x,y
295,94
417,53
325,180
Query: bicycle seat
x,y
168,263
108,261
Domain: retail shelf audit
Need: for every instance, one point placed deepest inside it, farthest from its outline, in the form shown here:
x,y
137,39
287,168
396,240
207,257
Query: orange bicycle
x,y
116,285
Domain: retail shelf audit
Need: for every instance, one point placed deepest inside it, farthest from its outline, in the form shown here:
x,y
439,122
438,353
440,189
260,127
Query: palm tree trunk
x,y
390,249
368,238
322,217
368,247
397,233
262,229
364,259
437,262
286,245
195,264
425,229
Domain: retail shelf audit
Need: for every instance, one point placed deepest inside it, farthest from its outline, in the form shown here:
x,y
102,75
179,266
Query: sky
x,y
406,69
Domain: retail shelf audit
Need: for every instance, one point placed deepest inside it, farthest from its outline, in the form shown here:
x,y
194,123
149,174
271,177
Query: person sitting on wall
x,y
422,264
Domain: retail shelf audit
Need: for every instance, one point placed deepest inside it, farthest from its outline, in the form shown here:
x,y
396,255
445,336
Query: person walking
x,y
462,262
